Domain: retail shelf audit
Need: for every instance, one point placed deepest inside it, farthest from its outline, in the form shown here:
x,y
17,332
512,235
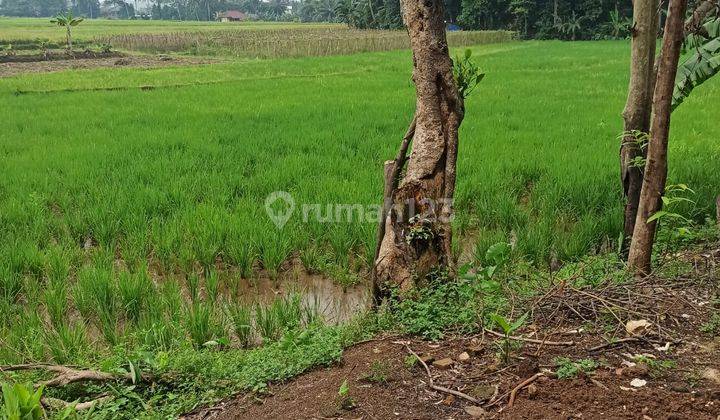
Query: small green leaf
x,y
656,216
135,374
518,323
502,322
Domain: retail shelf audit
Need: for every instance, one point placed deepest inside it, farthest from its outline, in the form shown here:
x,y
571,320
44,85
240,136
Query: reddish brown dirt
x,y
145,61
675,393
678,379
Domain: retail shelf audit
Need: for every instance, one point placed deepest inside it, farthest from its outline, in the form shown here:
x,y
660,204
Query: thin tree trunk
x,y
417,235
656,168
638,108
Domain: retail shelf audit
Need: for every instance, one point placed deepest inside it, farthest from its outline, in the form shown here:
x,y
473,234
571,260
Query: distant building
x,y
231,16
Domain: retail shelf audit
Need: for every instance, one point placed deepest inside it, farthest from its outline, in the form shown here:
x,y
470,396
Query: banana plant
x,y
68,21
21,401
700,65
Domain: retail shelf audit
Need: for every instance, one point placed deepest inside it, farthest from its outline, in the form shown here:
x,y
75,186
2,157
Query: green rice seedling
x,y
289,311
67,343
95,293
201,324
156,330
97,298
134,292
172,300
204,223
283,314
242,254
275,250
193,285
212,285
25,258
58,263
314,259
56,302
311,312
11,284
241,318
23,337
110,328
267,322
197,323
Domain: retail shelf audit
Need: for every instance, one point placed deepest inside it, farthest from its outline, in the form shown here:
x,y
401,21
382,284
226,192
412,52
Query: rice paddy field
x,y
133,201
23,29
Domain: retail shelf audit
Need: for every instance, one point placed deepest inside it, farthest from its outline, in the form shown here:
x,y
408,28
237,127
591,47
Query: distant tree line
x,y
564,19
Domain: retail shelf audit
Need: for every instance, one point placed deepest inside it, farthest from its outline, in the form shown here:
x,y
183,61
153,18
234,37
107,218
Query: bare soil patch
x,y
26,66
670,370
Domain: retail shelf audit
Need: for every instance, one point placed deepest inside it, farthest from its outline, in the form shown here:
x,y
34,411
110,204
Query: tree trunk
x,y
638,108
417,234
655,177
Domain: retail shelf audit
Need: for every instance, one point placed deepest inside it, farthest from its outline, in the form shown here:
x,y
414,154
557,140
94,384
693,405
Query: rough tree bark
x,y
655,177
638,108
415,235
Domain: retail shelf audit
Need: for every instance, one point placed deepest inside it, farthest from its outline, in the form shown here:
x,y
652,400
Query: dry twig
x,y
438,387
532,340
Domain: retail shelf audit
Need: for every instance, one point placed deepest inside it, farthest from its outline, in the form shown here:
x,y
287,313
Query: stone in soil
x,y
427,359
445,363
712,375
482,392
476,412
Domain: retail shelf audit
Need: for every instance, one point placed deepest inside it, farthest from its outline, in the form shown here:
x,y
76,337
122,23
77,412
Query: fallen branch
x,y
67,375
442,388
531,340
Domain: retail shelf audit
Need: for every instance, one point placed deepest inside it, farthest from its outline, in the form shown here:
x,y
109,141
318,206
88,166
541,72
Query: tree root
x,y
58,404
66,375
